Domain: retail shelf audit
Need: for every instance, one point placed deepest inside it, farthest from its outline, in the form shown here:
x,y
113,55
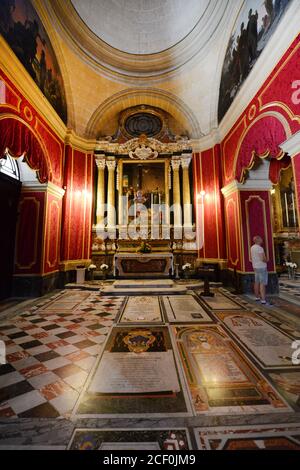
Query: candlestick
x,y
286,211
294,210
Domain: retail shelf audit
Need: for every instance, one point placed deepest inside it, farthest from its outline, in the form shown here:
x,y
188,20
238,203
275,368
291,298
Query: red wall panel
x,y
52,233
77,211
29,239
233,231
256,216
207,177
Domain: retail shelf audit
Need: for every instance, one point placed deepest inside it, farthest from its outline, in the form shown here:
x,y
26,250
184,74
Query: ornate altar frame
x,y
122,161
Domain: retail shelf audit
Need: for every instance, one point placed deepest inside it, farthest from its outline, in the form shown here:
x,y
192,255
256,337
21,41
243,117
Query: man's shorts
x,y
261,276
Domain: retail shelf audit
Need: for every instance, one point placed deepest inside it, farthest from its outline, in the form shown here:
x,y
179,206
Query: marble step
x,y
83,286
110,290
143,283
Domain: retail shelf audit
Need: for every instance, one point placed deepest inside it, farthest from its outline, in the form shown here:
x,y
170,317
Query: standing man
x,y
259,263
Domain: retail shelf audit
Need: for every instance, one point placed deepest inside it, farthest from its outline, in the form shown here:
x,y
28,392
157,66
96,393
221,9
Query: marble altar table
x,y
143,265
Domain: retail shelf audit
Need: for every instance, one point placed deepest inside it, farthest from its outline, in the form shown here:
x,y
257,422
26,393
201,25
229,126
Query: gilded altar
x,y
143,192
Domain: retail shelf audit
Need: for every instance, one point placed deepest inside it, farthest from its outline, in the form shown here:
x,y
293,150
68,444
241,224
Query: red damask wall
x,y
44,238
247,214
208,178
296,172
256,216
52,233
77,207
233,231
270,119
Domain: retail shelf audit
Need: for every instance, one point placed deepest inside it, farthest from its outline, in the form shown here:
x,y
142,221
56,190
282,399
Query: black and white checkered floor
x,y
49,351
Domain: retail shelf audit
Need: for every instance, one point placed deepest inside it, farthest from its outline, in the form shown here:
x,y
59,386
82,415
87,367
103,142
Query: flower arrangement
x,y
104,267
92,267
186,267
144,248
187,270
292,268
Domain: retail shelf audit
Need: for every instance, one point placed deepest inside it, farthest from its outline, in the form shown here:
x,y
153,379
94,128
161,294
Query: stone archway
x,y
148,96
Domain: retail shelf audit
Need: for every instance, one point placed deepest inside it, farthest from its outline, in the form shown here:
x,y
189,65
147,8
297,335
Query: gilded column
x,y
167,191
120,194
100,191
176,197
186,191
111,210
166,208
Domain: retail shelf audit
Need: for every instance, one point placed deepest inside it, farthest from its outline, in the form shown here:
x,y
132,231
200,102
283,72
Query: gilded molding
x,y
131,146
175,164
72,264
43,188
100,162
71,138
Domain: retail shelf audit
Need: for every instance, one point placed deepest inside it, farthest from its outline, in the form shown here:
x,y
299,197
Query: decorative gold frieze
x,y
143,147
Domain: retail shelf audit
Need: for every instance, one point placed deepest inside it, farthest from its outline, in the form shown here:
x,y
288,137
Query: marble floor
x,y
290,289
86,370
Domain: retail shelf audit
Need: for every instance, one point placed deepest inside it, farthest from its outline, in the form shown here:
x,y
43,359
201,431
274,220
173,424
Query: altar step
x,y
144,283
143,287
146,291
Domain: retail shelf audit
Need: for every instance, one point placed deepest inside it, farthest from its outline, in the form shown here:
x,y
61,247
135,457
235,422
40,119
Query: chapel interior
x,y
143,145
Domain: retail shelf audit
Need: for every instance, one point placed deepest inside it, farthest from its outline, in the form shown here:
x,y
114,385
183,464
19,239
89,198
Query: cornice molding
x,y
70,265
206,142
19,76
43,188
250,185
75,140
292,145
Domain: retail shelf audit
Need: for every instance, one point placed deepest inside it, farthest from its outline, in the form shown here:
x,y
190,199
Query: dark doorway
x,y
9,196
